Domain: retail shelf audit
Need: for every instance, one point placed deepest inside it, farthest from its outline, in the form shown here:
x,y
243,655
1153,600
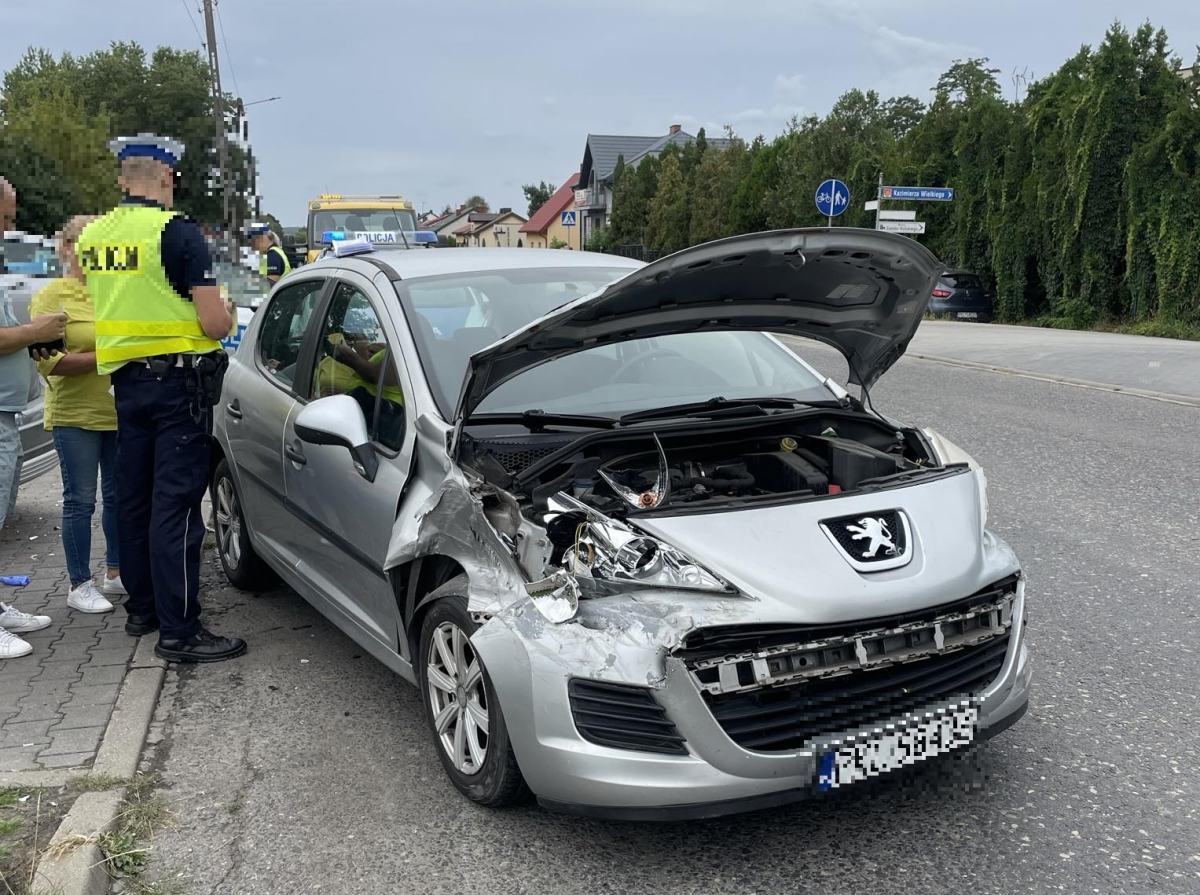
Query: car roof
x,y
413,263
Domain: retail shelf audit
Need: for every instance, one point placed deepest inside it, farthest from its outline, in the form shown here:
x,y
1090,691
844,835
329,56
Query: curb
x,y
1165,397
81,870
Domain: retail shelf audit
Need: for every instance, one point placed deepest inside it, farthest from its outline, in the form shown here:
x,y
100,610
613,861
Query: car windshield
x,y
359,220
458,315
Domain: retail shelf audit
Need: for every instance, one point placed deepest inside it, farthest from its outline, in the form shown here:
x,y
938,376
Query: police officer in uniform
x,y
273,262
159,319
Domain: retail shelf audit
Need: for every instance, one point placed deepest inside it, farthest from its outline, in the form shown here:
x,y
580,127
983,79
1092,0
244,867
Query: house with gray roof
x,y
594,193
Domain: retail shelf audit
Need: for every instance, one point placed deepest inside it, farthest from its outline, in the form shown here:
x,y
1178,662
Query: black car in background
x,y
961,295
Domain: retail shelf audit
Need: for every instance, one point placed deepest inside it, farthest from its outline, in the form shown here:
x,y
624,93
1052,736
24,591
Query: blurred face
x,y
261,243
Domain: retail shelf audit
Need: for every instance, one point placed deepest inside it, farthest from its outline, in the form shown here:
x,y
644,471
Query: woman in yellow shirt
x,y
82,415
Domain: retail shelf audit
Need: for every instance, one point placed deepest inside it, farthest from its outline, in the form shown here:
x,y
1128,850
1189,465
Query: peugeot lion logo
x,y
877,535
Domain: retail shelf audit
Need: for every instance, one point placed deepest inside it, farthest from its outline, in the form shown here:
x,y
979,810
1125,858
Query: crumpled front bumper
x,y
716,777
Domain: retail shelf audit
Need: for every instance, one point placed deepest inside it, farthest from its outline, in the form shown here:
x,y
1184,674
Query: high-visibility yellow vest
x,y
262,264
138,312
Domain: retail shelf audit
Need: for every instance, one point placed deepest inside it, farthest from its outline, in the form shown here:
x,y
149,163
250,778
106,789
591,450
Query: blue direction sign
x,y
833,197
568,218
919,193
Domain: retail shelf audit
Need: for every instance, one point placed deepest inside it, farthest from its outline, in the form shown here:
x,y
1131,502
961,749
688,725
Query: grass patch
x,y
145,811
126,848
28,818
94,783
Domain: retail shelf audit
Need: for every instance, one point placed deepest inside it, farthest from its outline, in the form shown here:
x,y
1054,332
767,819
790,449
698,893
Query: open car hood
x,y
862,291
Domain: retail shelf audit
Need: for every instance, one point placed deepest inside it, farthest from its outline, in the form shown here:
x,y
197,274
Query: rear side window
x,y
286,320
963,281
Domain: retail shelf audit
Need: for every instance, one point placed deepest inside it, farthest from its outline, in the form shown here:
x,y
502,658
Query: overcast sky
x,y
437,100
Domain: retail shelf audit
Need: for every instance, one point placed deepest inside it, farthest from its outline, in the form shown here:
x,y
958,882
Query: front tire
x,y
243,567
461,706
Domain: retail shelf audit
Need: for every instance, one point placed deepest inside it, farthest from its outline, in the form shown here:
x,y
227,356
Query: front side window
x,y
286,319
355,360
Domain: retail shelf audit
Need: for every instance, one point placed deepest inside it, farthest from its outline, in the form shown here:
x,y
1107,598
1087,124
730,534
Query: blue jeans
x,y
82,453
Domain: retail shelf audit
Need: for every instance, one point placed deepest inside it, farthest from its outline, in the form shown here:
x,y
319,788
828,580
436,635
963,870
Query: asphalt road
x,y
305,765
1132,362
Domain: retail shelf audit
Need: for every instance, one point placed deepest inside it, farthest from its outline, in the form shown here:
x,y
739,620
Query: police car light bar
x,y
347,247
332,235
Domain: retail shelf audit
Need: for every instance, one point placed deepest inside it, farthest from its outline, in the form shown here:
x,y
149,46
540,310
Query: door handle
x,y
233,408
294,455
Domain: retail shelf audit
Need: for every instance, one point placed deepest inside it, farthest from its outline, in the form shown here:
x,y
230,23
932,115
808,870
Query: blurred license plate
x,y
897,749
968,315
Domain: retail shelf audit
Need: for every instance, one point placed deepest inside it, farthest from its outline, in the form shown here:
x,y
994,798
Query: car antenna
x,y
402,233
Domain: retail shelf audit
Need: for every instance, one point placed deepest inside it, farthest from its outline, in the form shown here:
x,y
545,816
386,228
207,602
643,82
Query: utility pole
x,y
878,200
218,110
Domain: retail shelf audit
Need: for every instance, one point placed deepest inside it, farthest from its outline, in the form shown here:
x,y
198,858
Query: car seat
x,y
353,223
391,224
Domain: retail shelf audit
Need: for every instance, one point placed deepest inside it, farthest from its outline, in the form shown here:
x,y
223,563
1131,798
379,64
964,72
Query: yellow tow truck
x,y
383,220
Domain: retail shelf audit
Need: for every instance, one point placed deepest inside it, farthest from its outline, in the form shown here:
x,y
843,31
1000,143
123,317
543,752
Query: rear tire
x,y
243,567
461,706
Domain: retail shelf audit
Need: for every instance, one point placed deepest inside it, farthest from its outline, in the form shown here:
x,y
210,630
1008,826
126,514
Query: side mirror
x,y
338,421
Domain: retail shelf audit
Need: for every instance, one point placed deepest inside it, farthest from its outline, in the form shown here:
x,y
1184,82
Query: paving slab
x,y
65,690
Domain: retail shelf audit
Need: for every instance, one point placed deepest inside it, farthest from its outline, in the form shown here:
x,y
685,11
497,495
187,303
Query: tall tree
x,y
46,197
477,201
167,94
667,222
538,195
59,126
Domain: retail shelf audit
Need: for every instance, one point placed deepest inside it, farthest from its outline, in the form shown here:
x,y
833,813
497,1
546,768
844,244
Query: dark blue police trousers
x,y
162,472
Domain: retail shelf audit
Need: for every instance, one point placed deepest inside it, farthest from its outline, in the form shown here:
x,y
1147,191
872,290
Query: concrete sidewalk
x,y
55,703
1132,363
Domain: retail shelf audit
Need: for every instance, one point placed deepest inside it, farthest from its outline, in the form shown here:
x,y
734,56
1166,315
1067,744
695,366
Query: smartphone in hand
x,y
58,346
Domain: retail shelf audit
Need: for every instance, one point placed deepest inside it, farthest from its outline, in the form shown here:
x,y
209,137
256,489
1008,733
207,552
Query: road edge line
x,y
1165,397
81,870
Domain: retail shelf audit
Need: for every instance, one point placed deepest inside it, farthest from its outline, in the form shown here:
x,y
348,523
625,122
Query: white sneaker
x,y
86,598
12,646
114,587
16,620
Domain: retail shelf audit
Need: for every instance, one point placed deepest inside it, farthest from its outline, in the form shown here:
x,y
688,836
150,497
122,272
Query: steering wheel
x,y
658,354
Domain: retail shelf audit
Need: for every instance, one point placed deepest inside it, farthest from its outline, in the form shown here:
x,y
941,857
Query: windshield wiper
x,y
537,420
719,406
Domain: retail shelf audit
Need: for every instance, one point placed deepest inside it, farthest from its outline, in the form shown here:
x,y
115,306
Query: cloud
x,y
789,85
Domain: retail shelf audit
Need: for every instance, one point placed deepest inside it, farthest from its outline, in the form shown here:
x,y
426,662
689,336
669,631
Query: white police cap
x,y
257,228
167,150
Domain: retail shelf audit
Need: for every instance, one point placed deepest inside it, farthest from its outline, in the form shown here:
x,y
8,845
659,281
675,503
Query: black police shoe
x,y
203,647
138,625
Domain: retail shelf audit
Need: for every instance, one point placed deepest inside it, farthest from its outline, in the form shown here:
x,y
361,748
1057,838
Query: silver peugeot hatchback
x,y
639,557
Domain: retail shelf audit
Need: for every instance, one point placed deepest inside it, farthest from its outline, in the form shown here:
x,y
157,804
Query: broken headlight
x,y
594,546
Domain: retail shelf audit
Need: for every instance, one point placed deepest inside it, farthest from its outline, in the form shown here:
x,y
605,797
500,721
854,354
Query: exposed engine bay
x,y
579,504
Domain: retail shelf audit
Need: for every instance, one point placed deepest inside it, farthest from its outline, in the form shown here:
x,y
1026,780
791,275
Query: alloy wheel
x,y
229,523
458,698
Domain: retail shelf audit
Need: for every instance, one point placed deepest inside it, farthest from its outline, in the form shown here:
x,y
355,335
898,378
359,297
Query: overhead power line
x,y
195,27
